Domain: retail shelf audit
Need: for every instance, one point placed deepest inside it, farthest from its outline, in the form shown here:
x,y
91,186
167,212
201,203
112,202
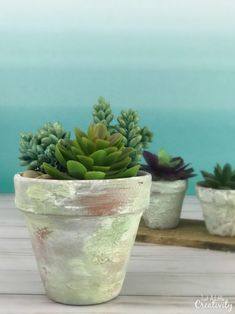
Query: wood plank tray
x,y
189,233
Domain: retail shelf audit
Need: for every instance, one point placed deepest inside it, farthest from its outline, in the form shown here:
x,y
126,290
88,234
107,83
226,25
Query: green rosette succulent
x,y
96,154
222,178
35,149
134,136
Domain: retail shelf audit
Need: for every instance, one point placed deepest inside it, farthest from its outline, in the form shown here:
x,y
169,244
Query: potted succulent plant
x,y
82,202
169,184
217,197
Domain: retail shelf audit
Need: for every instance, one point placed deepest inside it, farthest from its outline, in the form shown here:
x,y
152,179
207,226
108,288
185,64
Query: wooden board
x,y
189,233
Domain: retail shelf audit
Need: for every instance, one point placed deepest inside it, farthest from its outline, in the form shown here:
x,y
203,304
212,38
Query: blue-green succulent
x,y
35,149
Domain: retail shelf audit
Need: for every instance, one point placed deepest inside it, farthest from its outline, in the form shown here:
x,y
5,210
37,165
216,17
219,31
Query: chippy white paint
x,y
82,233
218,210
165,204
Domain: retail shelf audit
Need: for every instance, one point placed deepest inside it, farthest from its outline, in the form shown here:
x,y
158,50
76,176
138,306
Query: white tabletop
x,y
160,279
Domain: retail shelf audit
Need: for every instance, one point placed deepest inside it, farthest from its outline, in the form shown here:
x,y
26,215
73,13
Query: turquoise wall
x,y
179,75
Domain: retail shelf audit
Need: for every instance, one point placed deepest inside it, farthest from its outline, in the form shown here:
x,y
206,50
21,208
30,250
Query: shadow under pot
x,y
82,232
165,204
218,208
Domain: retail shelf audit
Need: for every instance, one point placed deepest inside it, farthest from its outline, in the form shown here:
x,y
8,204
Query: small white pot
x,y
165,204
218,210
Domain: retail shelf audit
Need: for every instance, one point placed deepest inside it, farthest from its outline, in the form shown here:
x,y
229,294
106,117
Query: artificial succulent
x,y
134,136
165,167
222,178
35,149
102,113
96,154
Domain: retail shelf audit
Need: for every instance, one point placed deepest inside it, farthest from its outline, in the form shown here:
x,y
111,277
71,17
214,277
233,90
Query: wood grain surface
x,y
189,233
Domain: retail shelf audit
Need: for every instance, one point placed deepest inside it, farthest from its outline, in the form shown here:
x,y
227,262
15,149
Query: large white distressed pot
x,y
82,233
165,204
218,210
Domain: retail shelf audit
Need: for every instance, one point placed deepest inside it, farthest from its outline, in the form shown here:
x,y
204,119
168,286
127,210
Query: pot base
x,y
82,303
156,225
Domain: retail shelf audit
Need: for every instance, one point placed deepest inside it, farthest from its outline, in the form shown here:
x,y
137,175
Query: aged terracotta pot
x,y
82,233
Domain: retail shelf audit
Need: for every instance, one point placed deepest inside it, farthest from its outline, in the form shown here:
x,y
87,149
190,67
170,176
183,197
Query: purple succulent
x,y
166,168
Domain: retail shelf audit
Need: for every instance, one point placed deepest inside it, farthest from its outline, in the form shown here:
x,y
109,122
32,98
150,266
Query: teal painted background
x,y
178,73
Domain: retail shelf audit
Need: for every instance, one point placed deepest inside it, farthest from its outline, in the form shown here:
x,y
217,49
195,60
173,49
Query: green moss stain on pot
x,y
44,198
103,259
93,261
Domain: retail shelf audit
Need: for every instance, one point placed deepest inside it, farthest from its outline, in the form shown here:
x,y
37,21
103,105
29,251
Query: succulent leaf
x,y
101,144
99,156
110,150
60,157
131,172
151,159
101,168
94,175
164,157
76,150
115,139
65,151
88,162
55,173
121,164
76,169
111,158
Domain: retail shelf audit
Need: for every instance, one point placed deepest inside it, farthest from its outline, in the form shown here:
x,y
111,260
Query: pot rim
x,y
198,186
141,174
170,181
171,184
58,204
169,187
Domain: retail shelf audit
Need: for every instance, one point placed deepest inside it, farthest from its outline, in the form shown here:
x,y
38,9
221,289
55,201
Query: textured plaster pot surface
x,y
82,233
165,204
218,210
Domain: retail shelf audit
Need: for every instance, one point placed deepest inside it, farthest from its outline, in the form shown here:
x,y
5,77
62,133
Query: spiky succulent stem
x,y
134,136
147,137
127,124
35,149
102,113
